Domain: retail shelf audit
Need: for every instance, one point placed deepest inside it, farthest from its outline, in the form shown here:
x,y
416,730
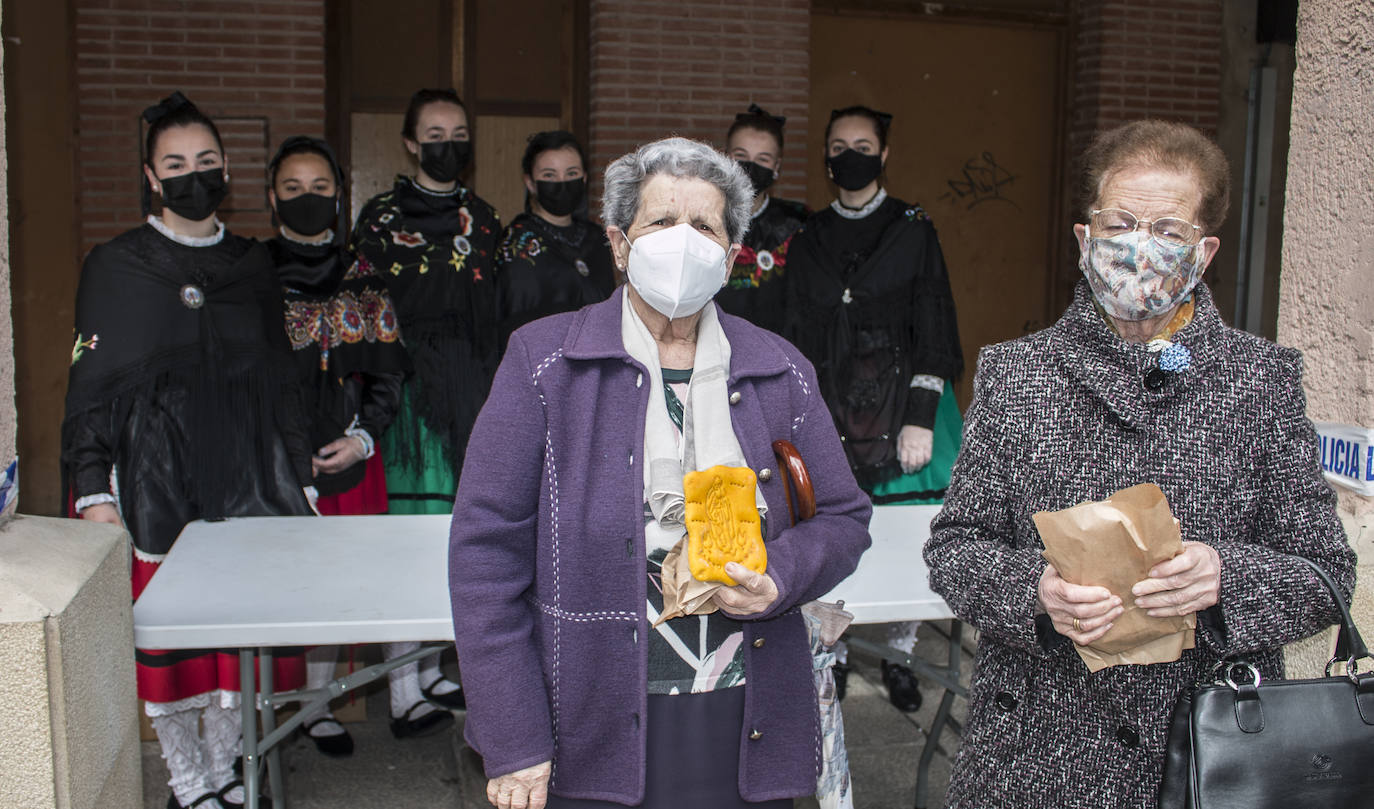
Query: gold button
x,y
755,735
758,644
734,398
765,474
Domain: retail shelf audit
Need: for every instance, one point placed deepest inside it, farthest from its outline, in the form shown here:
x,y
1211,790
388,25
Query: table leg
x,y
937,727
248,707
267,672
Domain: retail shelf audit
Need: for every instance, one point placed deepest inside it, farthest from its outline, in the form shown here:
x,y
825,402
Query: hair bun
x,y
168,105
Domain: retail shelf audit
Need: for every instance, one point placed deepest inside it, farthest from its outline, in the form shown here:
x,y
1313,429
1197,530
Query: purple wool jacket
x,y
547,559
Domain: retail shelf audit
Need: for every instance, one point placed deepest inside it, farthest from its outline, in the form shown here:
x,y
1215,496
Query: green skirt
x,y
927,485
423,485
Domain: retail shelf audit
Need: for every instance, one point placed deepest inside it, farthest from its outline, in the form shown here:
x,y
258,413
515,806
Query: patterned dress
x,y
869,304
543,269
346,343
182,405
436,254
755,291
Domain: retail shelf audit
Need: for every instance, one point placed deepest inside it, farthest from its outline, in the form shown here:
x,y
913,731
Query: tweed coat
x,y
547,568
1063,416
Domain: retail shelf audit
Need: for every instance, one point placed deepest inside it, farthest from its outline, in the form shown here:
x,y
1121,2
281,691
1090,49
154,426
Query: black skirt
x,y
708,725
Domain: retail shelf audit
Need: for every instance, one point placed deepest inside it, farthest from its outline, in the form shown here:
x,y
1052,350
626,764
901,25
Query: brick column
x,y
686,67
1145,60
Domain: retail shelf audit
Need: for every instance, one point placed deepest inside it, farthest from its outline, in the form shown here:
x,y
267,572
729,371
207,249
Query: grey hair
x,y
676,157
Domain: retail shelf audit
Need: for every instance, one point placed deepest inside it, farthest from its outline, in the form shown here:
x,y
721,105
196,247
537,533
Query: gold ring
x,y
1077,626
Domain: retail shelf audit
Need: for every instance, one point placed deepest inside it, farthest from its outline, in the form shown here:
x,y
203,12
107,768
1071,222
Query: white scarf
x,y
708,434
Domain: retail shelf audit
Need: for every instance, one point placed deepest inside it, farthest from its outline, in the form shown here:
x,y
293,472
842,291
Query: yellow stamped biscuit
x,y
722,522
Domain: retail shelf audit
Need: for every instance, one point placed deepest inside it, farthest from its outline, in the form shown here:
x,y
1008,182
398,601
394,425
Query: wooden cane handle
x,y
796,480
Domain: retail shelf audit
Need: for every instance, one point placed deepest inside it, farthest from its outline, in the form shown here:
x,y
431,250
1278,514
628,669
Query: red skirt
x,y
177,674
368,497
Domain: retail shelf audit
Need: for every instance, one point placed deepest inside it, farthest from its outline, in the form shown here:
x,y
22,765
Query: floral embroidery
x,y
524,245
406,239
916,214
465,222
347,317
82,346
462,245
754,268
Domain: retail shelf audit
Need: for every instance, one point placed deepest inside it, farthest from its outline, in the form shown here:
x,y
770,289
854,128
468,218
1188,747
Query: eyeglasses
x,y
1109,222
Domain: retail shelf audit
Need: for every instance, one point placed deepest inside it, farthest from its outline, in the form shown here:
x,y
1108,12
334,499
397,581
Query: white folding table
x,y
307,581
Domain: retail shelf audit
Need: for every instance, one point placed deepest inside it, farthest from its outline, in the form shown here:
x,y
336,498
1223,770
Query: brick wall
x,y
1145,60
256,68
687,67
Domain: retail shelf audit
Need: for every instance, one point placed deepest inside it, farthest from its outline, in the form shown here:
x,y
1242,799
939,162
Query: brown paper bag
x,y
1113,544
684,594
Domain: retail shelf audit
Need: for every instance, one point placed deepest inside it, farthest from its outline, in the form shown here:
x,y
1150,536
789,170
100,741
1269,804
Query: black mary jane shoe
x,y
903,689
453,700
338,745
405,727
264,802
173,803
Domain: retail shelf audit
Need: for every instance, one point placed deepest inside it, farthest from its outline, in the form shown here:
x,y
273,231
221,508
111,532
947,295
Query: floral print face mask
x,y
1136,277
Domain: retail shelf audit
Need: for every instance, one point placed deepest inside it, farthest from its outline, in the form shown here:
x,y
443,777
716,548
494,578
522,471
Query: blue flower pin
x,y
1175,358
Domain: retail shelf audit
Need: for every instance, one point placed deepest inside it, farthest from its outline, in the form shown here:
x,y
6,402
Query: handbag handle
x,y
1349,645
795,480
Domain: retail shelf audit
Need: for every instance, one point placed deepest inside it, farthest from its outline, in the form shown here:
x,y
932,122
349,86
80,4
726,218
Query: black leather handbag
x,y
1295,744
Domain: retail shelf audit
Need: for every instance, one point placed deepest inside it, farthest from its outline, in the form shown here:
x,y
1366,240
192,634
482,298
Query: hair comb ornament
x,y
755,111
884,118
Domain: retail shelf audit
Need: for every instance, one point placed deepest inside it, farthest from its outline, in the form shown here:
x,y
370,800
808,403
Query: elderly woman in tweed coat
x,y
1139,381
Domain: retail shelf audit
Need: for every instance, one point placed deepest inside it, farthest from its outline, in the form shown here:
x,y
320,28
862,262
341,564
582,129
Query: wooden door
x,y
975,140
519,65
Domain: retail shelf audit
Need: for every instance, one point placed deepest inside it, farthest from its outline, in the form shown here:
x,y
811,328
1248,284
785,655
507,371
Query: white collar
x,y
189,241
859,213
756,214
326,238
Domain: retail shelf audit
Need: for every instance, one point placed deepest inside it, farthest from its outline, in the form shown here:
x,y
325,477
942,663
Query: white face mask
x,y
676,270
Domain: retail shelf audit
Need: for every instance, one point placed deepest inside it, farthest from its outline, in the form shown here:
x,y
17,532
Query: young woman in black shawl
x,y
755,290
433,242
551,259
869,304
348,354
182,405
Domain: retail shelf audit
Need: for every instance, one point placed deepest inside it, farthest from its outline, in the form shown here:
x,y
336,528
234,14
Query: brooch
x,y
192,297
1173,357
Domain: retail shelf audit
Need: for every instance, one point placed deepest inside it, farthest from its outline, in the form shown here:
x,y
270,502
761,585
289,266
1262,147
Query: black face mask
x,y
444,160
196,195
760,176
308,214
560,198
852,170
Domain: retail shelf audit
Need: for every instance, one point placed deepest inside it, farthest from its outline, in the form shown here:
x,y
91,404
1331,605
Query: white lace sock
x,y
223,746
179,735
405,683
902,636
320,664
841,650
430,673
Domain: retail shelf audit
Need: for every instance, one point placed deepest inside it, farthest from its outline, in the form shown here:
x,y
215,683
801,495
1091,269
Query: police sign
x,y
1347,456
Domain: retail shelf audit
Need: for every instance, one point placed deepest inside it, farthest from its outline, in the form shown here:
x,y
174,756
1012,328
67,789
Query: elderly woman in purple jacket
x,y
571,497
